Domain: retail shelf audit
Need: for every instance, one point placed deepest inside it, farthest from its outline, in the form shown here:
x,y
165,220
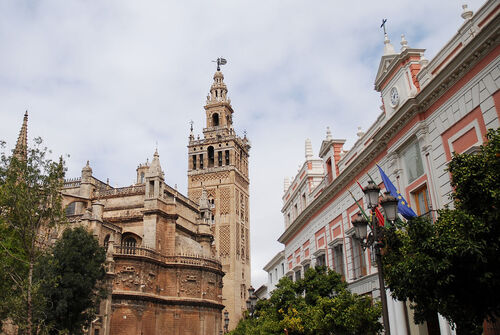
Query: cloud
x,y
107,80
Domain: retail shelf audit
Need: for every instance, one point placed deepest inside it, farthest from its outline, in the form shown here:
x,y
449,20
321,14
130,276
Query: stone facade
x,y
430,109
218,165
162,271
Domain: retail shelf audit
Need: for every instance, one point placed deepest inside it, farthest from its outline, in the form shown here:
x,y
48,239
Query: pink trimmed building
x,y
430,109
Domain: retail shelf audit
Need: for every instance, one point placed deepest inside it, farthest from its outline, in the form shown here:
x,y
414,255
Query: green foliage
x,y
30,203
70,274
318,304
452,266
44,288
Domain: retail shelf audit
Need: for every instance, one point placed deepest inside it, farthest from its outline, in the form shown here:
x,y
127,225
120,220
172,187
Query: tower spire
x,y
21,149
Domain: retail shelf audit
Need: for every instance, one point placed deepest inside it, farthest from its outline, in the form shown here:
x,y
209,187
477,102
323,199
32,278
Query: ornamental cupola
x,y
218,90
219,112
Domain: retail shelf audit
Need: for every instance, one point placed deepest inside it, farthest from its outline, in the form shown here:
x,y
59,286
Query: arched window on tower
x,y
211,156
219,157
215,120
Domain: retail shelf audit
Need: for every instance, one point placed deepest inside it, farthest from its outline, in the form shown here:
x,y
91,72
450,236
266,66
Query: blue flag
x,y
403,205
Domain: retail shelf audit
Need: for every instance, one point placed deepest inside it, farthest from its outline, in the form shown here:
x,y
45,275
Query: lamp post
x,y
390,205
251,301
226,321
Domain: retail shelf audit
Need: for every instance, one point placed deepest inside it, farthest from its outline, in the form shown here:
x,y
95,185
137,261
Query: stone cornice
x,y
276,260
131,295
218,104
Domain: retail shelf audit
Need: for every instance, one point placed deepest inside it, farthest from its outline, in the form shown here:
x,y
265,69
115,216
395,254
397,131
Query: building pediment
x,y
383,68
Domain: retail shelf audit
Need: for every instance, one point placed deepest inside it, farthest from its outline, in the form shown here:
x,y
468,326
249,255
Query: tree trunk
x,y
30,304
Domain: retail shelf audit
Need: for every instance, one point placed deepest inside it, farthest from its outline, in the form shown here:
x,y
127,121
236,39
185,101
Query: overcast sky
x,y
106,80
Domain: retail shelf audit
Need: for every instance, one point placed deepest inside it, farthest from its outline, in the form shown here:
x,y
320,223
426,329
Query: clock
x,y
394,97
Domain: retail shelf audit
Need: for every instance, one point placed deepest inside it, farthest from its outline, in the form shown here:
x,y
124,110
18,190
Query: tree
x,y
452,267
320,303
70,276
30,203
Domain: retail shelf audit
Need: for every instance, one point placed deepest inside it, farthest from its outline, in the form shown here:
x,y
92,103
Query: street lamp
x,y
374,238
251,301
226,321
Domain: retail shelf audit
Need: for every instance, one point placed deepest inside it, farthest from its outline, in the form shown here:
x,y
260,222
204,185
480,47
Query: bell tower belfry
x,y
218,165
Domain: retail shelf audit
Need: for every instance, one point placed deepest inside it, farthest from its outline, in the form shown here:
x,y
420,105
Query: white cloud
x,y
106,80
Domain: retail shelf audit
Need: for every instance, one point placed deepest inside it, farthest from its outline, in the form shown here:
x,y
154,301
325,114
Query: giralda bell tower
x,y
218,165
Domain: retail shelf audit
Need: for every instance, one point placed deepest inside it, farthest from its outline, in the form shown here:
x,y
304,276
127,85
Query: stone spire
x,y
309,150
155,168
86,173
21,149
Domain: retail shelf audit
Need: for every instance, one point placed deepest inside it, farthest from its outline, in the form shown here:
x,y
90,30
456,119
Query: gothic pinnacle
x,y
21,149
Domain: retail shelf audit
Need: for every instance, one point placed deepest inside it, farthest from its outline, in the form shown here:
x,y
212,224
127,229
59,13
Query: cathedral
x,y
174,263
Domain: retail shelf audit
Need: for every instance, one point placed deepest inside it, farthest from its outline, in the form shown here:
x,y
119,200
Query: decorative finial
x,y
467,13
388,48
87,167
286,184
404,43
328,134
309,150
191,135
360,133
245,133
423,61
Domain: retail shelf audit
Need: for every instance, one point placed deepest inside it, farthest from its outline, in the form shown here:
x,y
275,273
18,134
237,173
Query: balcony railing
x,y
186,259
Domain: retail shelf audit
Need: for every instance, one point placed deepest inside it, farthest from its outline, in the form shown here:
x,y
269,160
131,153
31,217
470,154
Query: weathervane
x,y
220,61
383,25
191,123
